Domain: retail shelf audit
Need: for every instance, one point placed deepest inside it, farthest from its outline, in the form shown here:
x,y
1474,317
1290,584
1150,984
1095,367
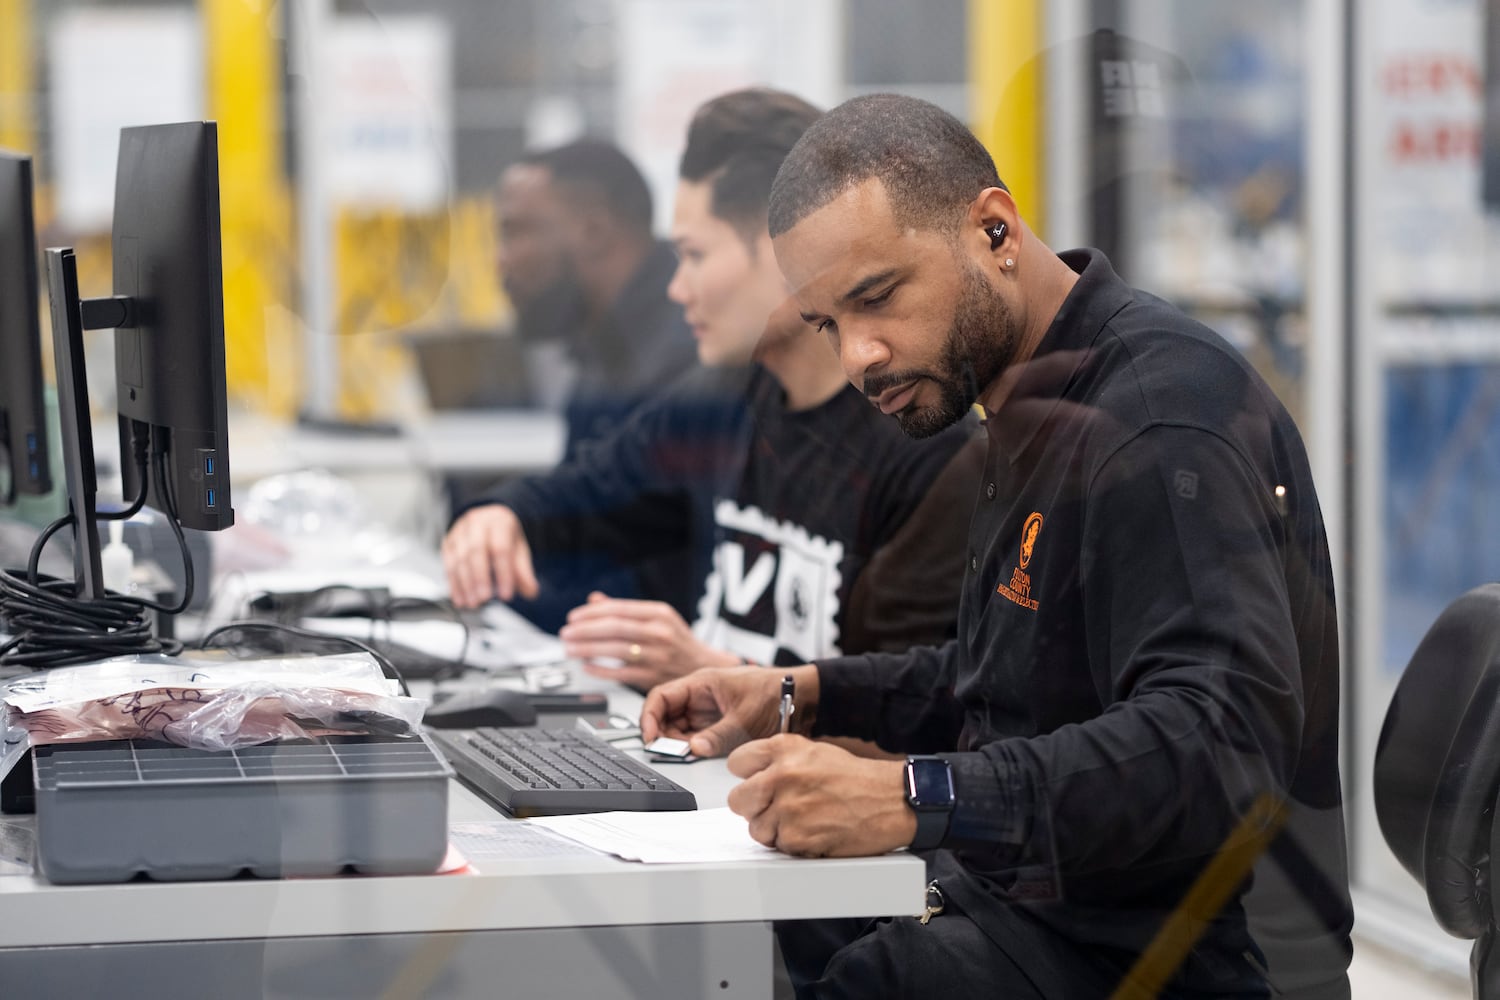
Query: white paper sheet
x,y
706,835
505,839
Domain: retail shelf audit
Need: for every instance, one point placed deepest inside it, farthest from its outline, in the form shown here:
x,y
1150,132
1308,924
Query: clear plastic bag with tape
x,y
212,704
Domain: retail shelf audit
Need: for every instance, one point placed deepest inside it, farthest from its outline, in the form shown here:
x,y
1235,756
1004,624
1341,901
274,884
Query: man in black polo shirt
x,y
1129,756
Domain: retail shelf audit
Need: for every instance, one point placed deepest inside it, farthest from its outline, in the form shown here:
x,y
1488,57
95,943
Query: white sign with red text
x,y
1425,81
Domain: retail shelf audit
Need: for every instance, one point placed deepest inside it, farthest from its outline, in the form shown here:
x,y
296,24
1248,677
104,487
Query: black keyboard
x,y
551,772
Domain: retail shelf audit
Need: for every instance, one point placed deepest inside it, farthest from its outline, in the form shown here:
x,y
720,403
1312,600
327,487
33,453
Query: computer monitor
x,y
168,317
24,466
169,366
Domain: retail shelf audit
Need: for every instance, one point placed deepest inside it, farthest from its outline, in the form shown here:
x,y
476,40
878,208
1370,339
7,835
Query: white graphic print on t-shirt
x,y
787,597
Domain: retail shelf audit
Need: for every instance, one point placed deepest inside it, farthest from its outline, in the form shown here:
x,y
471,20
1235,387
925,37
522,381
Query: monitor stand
x,y
73,417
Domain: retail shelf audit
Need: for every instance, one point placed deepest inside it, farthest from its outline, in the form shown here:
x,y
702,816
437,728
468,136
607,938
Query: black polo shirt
x,y
1147,663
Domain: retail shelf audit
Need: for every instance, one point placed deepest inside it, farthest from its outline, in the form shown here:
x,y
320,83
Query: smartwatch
x,y
929,792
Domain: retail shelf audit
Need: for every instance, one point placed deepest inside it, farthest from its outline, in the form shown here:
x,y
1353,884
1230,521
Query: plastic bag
x,y
212,704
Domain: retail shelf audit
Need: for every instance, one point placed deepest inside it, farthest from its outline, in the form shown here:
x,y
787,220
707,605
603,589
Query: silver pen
x,y
788,690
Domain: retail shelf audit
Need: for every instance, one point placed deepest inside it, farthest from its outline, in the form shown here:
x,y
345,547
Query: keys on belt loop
x,y
935,902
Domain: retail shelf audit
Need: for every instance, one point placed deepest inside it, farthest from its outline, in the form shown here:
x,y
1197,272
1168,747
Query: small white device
x,y
669,749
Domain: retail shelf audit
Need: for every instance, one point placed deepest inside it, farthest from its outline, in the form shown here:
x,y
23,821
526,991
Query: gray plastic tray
x,y
108,811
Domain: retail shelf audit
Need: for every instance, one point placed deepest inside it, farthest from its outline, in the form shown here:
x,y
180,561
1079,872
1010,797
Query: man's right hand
x,y
717,709
486,555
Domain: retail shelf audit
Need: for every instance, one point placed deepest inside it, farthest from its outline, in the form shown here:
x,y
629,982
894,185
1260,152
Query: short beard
x,y
555,313
980,344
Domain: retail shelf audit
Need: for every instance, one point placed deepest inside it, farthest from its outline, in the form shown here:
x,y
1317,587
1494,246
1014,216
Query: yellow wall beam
x,y
261,359
1006,96
400,275
17,77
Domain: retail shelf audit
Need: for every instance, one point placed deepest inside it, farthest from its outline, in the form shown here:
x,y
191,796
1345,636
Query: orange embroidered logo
x,y
1019,588
1028,537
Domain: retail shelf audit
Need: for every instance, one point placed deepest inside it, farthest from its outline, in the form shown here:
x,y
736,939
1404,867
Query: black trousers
x,y
978,947
949,957
899,957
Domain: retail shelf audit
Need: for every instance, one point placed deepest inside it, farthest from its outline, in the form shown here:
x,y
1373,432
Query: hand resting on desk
x,y
650,637
818,800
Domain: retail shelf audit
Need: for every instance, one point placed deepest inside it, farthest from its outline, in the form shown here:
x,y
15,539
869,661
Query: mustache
x,y
962,371
876,384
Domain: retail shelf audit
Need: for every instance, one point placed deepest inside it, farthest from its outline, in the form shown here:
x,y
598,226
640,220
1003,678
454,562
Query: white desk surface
x,y
483,441
543,893
514,441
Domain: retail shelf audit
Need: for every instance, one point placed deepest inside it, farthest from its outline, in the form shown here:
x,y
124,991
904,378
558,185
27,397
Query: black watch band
x,y
929,793
932,827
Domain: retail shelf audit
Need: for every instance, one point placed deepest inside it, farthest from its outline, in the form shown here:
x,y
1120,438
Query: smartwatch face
x,y
929,782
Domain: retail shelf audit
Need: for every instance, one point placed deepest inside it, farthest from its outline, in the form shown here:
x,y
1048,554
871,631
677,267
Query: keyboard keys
x,y
537,772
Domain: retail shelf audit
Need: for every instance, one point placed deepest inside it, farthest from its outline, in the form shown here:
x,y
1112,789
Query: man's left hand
x,y
819,800
651,638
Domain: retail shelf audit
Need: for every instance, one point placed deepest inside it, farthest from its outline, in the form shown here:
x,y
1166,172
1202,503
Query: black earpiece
x,y
997,235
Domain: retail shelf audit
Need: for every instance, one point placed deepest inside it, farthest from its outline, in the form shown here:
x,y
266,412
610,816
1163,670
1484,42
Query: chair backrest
x,y
1437,765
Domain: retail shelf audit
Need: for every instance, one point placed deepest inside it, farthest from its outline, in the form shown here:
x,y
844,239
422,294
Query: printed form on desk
x,y
507,840
706,835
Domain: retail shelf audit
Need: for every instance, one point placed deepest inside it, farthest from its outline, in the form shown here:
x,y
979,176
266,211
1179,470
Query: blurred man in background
x,y
588,282
584,273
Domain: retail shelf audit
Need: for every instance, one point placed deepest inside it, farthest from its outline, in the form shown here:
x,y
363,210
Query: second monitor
x,y
169,356
24,466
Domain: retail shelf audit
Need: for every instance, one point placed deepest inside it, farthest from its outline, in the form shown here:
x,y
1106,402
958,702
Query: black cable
x,y
140,444
41,543
309,638
384,610
68,519
163,490
308,606
444,605
53,627
379,606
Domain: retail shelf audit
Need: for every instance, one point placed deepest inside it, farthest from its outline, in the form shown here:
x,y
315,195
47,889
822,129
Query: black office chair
x,y
1437,773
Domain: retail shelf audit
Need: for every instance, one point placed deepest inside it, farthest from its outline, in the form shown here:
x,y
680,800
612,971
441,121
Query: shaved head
x,y
929,163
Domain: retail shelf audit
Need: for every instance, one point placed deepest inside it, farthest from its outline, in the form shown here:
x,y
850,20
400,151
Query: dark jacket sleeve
x,y
1193,655
902,701
908,593
627,495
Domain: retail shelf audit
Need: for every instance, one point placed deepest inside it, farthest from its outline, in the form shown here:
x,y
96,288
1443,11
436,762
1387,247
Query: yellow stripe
x,y
17,75
1006,96
261,363
1203,901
